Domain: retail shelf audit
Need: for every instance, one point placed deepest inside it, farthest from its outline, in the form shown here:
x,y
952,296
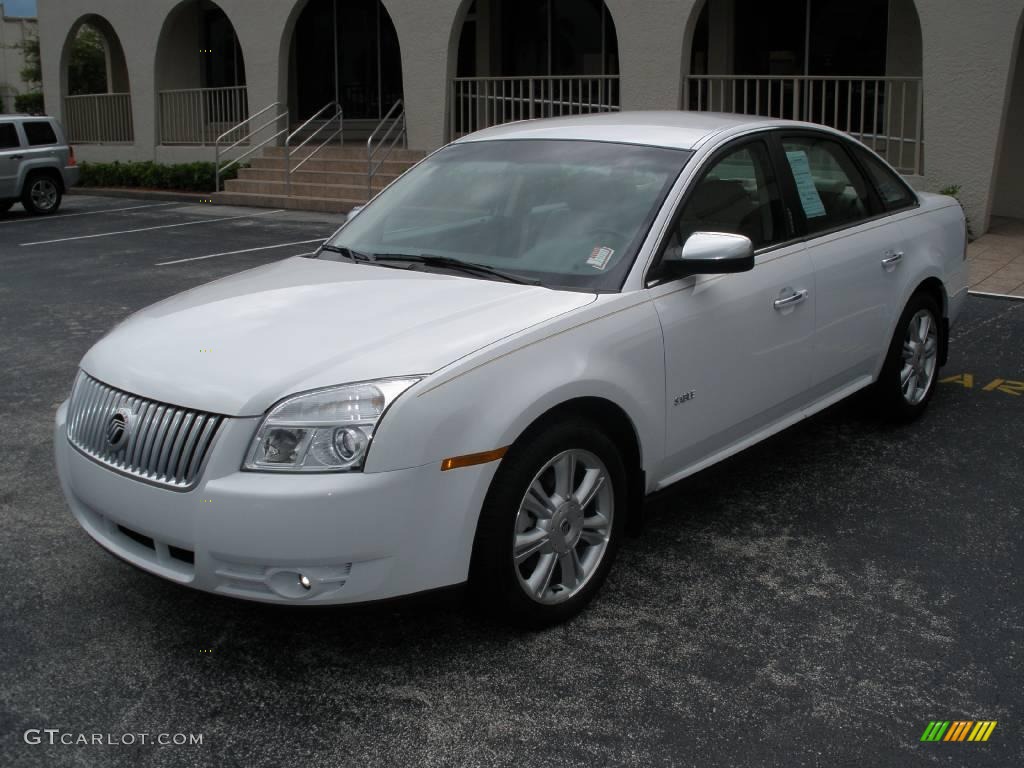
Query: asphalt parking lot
x,y
815,601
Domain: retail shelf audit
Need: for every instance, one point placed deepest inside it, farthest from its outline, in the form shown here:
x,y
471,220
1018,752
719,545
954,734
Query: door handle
x,y
892,260
790,301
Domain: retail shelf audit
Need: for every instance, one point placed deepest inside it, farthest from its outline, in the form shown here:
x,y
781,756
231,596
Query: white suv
x,y
37,165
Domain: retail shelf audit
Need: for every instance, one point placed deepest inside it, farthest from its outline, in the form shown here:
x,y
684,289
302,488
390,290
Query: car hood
x,y
239,344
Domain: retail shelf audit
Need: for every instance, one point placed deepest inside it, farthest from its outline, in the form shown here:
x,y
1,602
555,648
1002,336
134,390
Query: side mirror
x,y
710,253
353,213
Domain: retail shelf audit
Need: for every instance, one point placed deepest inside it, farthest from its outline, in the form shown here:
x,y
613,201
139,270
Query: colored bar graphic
x,y
958,730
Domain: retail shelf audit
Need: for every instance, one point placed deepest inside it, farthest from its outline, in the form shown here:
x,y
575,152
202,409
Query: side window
x,y
831,191
740,195
8,136
39,133
891,188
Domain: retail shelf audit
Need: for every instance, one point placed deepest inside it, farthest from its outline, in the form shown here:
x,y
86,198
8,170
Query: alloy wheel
x,y
563,526
920,356
44,194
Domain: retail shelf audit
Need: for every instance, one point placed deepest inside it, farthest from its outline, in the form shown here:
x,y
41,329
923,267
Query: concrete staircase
x,y
333,181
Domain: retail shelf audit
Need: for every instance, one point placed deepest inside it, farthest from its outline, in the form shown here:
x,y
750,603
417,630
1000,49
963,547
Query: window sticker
x,y
600,256
809,197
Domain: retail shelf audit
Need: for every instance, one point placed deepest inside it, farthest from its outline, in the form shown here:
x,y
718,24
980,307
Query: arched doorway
x,y
1008,199
344,51
853,66
95,89
523,59
200,75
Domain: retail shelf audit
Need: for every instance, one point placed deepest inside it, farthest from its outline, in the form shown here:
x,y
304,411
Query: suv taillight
x,y
71,156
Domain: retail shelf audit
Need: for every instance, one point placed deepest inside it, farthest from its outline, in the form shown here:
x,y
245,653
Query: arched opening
x,y
94,84
853,66
1008,198
344,51
200,75
523,59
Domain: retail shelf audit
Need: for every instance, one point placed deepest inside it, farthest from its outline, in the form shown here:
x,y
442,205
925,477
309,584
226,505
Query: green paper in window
x,y
809,197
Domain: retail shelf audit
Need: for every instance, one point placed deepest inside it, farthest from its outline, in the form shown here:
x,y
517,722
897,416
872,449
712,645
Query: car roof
x,y
677,129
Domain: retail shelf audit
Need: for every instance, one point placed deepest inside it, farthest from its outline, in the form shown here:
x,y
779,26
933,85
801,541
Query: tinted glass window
x,y
8,136
738,194
831,191
39,133
891,188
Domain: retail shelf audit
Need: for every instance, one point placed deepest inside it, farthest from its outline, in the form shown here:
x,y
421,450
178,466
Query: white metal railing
x,y
388,125
333,114
244,135
886,113
480,102
201,115
99,118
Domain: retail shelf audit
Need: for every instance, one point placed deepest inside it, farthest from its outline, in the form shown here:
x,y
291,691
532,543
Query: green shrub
x,y
181,177
953,190
29,104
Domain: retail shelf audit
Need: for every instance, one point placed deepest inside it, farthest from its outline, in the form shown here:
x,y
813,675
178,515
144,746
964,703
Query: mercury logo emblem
x,y
119,429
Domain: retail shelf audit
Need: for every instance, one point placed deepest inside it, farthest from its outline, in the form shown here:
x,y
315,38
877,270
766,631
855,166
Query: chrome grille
x,y
167,445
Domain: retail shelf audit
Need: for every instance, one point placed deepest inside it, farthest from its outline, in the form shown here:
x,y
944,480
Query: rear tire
x,y
42,195
550,526
911,368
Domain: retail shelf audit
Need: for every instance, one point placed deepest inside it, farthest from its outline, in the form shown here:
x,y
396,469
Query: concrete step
x,y
277,188
394,167
335,152
319,204
343,178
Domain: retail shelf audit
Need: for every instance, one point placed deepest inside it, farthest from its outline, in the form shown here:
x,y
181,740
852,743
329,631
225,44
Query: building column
x,y
967,54
652,59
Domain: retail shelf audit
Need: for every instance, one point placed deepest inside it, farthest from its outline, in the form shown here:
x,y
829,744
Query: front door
x,y
737,353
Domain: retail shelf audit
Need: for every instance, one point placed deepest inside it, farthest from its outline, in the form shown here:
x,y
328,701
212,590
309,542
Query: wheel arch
x,y
43,170
934,287
613,420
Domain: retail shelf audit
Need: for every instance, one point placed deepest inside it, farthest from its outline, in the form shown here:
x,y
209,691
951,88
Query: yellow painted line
x,y
977,730
988,731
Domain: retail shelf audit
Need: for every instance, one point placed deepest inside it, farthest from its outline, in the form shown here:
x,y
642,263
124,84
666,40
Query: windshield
x,y
565,214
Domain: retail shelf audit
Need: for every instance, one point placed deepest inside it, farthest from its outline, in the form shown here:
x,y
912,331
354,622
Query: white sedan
x,y
481,375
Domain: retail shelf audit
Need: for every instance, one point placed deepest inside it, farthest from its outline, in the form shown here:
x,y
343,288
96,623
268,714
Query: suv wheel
x,y
42,195
550,526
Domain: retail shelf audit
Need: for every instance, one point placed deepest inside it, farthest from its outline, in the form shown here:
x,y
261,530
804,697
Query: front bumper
x,y
355,537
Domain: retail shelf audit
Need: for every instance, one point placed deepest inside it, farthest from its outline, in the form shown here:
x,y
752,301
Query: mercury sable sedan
x,y
480,376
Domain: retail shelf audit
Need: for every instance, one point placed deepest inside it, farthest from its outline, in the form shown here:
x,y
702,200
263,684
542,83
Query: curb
x,y
143,194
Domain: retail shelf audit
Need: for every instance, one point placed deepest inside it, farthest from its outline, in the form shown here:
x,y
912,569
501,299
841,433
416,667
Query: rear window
x,y
8,136
891,188
39,133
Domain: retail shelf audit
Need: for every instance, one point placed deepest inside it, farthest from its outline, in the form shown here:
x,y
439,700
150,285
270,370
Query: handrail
x,y
217,145
290,152
371,151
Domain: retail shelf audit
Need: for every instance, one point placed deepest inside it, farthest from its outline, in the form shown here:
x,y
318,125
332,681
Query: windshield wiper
x,y
446,262
348,253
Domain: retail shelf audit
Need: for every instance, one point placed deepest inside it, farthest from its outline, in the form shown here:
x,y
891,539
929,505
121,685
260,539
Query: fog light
x,y
304,581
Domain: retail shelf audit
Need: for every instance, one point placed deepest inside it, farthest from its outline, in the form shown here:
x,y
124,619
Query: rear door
x,y
854,249
10,159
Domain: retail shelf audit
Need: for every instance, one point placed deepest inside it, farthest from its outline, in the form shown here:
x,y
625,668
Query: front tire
x,y
911,368
550,525
42,195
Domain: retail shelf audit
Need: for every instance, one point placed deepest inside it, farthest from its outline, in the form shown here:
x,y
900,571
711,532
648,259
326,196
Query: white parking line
x,y
150,229
246,250
41,219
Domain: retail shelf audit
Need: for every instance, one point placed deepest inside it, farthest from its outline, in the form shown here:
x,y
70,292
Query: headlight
x,y
328,430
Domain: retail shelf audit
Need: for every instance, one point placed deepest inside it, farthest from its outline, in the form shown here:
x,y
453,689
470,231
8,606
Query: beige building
x,y
937,86
14,31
